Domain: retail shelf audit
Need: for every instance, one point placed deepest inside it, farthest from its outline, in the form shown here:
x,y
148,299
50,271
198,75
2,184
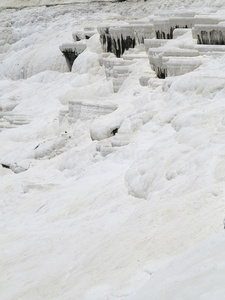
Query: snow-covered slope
x,y
99,190
196,274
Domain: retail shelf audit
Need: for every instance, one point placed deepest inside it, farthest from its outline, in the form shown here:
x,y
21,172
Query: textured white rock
x,y
179,32
154,43
118,70
160,57
210,34
182,65
143,31
120,37
72,50
86,33
211,50
89,109
77,47
164,26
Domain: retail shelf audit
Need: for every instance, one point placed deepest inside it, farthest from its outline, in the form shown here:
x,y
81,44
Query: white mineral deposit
x,y
112,150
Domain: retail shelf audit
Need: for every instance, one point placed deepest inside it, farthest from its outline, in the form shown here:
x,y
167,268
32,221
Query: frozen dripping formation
x,y
71,51
162,29
165,61
173,58
123,38
119,38
105,38
210,34
143,30
165,25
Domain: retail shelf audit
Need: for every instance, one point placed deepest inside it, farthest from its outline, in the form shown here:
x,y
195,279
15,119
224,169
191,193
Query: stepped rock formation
x,y
71,51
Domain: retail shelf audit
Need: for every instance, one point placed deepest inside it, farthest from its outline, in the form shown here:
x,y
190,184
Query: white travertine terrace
x,y
118,38
78,47
9,120
160,57
154,33
120,74
182,65
143,31
86,33
118,70
210,34
72,50
121,135
123,38
164,26
88,109
212,50
105,38
179,32
111,62
154,43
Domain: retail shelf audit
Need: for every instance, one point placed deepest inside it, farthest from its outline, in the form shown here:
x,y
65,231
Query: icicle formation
x,y
169,58
118,38
165,25
210,34
71,51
